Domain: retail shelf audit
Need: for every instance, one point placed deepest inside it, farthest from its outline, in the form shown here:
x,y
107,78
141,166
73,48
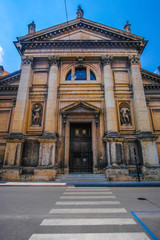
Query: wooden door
x,y
80,159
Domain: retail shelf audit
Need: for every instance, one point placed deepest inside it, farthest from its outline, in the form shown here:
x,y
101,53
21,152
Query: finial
x,y
80,12
31,27
127,27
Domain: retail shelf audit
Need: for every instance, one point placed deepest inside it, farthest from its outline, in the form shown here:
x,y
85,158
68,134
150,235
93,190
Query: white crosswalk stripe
x,y
87,202
83,201
87,210
91,236
89,222
88,193
86,197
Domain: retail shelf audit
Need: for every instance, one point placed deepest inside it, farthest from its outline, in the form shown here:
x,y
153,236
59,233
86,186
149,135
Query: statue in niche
x,y
37,115
125,116
80,12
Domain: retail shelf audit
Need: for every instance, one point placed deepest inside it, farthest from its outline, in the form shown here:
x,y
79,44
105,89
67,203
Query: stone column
x,y
20,113
111,134
14,142
48,141
51,109
146,137
111,116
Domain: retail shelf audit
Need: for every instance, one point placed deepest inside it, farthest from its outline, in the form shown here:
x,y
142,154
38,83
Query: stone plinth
x,y
149,148
47,149
40,174
13,151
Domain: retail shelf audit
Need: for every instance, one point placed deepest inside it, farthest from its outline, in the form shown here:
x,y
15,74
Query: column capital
x,y
27,60
106,60
54,60
133,60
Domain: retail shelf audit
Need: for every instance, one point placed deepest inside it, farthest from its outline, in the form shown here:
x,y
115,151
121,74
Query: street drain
x,y
141,198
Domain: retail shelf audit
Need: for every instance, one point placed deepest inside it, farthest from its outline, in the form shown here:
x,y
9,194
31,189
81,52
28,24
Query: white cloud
x,y
156,71
1,55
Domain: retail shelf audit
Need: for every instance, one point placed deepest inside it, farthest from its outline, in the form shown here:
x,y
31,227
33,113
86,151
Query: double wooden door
x,y
80,155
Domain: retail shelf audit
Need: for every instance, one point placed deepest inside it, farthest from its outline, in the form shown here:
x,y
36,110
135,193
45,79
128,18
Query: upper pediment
x,y
86,25
81,34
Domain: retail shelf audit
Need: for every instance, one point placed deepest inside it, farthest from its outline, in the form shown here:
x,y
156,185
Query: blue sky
x,y
15,15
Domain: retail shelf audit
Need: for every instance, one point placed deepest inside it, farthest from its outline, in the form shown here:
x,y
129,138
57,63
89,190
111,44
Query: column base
x,y
130,173
38,174
149,149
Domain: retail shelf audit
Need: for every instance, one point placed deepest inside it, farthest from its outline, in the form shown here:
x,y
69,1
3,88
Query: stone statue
x,y
37,115
125,116
127,27
80,12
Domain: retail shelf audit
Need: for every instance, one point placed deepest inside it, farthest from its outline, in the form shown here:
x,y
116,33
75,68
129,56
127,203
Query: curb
x,y
83,183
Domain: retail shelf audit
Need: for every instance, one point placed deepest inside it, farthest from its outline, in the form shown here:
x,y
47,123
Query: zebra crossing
x,y
85,213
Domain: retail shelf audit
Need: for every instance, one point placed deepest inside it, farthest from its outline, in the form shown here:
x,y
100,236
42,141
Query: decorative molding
x,y
106,60
10,78
150,76
27,60
133,60
72,44
80,60
54,60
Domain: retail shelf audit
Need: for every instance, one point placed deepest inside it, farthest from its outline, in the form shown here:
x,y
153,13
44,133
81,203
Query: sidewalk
x,y
83,183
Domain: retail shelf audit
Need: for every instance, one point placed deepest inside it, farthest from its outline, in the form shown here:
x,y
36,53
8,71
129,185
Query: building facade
x,y
80,103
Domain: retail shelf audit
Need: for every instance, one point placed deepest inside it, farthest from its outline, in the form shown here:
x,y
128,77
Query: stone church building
x,y
80,103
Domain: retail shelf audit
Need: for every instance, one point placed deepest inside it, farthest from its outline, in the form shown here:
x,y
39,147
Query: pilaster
x,y
145,136
111,117
20,113
51,108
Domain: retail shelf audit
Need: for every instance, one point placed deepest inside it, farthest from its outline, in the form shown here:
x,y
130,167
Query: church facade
x,y
80,103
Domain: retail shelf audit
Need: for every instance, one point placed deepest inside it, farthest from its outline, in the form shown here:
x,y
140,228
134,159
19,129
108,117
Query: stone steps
x,y
81,178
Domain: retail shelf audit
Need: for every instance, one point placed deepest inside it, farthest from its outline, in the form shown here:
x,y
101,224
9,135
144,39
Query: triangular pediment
x,y
79,107
84,25
81,35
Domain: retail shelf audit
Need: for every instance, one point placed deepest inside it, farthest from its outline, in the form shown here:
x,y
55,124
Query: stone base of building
x,y
28,174
119,173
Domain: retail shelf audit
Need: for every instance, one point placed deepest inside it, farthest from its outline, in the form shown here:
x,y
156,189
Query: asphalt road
x,y
56,213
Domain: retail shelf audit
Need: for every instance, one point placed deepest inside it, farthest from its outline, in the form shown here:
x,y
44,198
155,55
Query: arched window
x,y
92,76
80,73
68,77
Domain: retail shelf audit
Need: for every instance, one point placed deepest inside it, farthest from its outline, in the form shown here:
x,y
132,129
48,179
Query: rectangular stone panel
x,y
156,118
2,151
40,78
4,120
121,77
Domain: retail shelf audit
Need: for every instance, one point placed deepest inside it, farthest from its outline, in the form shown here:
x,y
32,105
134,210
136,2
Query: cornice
x,y
10,78
152,86
150,76
86,44
9,87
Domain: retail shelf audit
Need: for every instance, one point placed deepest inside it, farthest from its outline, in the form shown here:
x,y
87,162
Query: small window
x,y
80,73
92,76
68,78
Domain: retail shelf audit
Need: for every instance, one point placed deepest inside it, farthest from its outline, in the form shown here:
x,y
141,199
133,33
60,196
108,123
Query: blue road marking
x,y
143,225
